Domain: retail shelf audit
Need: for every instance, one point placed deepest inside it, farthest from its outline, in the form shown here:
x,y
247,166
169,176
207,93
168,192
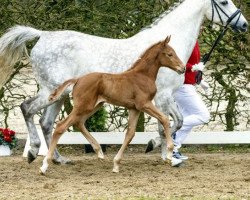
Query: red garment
x,y
194,59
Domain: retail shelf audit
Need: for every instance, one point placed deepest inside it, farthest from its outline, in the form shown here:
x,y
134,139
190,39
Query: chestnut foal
x,y
133,89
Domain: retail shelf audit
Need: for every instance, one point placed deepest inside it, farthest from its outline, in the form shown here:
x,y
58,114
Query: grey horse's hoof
x,y
62,161
150,146
31,157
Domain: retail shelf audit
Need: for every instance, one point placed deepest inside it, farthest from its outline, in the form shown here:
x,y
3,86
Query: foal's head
x,y
168,58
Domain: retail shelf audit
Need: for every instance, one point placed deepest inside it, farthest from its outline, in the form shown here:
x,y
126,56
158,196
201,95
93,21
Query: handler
x,y
192,108
190,104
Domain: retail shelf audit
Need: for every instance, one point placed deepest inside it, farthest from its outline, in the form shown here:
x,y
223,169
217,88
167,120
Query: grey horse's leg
x,y
29,108
168,107
47,121
176,116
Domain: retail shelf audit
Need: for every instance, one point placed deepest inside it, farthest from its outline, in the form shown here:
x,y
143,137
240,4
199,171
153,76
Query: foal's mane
x,y
159,18
149,54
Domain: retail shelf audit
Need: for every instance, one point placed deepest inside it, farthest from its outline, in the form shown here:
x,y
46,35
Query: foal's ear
x,y
167,39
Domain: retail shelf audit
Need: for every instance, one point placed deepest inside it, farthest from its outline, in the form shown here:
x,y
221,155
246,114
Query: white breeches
x,y
192,108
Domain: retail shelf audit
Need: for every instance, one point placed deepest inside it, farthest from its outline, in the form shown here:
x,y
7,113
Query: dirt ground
x,y
218,174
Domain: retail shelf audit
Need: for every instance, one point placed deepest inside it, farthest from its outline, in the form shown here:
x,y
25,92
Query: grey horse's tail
x,y
13,48
61,88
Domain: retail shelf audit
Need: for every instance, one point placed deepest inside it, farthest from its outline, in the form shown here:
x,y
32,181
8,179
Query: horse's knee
x,y
27,110
46,126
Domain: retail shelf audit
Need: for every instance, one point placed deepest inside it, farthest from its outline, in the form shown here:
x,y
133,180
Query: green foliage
x,y
97,122
229,78
113,18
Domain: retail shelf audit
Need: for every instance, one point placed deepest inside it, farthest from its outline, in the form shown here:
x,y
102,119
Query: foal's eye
x,y
224,3
170,54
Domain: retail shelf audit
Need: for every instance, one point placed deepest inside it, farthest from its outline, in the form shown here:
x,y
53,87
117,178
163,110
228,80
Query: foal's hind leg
x,y
61,127
150,109
132,122
47,121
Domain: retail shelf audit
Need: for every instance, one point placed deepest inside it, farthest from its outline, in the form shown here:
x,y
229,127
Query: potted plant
x,y
8,141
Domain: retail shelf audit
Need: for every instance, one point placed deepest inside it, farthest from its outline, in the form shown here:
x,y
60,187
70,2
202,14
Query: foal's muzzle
x,y
181,69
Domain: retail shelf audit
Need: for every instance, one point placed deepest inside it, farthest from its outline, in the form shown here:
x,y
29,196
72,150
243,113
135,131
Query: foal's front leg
x,y
132,122
150,109
169,107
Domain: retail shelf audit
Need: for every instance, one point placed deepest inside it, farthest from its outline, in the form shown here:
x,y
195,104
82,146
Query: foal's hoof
x,y
100,156
115,170
31,156
41,172
150,146
116,166
44,168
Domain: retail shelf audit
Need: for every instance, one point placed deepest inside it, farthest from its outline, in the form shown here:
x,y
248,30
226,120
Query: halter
x,y
207,56
216,7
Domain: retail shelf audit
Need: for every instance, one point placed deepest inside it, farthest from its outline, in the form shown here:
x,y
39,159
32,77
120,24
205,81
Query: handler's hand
x,y
198,67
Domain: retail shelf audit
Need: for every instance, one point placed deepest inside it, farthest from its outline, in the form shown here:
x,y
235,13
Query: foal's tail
x,y
61,88
13,48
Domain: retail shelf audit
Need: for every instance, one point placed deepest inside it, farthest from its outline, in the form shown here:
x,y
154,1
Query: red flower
x,y
12,133
7,139
6,132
